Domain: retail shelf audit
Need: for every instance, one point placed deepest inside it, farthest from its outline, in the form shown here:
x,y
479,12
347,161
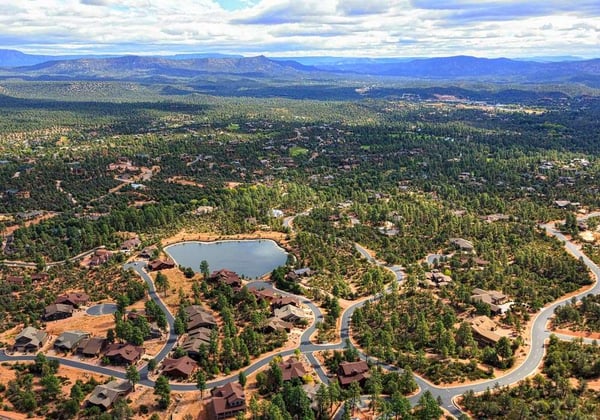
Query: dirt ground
x,y
186,235
182,181
582,334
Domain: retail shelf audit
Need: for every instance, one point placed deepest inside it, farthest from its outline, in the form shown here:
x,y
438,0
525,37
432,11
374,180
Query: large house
x,y
105,395
123,354
292,369
290,313
183,367
74,299
227,401
57,311
159,264
226,277
199,318
91,347
69,340
30,340
498,301
282,301
349,372
275,324
101,256
196,339
463,245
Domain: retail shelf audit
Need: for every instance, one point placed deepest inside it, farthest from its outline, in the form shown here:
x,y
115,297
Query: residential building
x,y
227,401
349,372
30,340
123,354
290,313
183,367
105,395
498,301
199,317
160,264
75,299
226,277
91,347
69,340
292,369
57,311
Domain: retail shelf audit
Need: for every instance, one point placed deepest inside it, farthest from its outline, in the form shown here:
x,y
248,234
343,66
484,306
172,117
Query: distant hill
x,y
193,66
152,67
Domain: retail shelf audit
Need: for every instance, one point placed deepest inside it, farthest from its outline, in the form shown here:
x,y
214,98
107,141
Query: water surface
x,y
250,258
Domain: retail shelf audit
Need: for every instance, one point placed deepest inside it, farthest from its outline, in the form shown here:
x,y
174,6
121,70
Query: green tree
x,y
201,382
162,390
162,282
204,269
242,378
132,375
428,408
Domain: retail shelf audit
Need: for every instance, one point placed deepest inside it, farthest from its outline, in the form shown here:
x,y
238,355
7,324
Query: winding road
x,y
539,335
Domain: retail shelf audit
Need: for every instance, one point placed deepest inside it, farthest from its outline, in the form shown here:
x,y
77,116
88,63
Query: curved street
x,y
539,335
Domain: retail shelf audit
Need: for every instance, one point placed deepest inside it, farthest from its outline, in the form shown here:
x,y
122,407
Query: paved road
x,y
447,394
102,309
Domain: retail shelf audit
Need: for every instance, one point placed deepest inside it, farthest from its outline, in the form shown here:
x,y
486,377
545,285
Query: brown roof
x,y
40,276
349,372
264,294
127,352
19,280
292,369
92,346
56,308
230,392
184,366
198,317
226,276
285,300
75,299
159,264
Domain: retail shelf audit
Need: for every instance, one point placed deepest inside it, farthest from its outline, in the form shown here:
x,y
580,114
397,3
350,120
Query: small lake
x,y
251,258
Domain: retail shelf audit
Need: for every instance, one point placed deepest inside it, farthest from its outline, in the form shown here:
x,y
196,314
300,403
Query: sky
x,y
287,28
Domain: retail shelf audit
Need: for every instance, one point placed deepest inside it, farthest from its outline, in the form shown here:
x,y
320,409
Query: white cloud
x,y
310,27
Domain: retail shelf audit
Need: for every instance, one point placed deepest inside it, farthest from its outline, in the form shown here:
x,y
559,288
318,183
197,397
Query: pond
x,y
250,258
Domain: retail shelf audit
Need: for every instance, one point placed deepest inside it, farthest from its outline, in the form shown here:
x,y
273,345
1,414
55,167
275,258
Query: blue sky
x,y
366,28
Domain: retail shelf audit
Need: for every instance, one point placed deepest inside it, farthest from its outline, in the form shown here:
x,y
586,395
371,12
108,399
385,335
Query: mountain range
x,y
193,66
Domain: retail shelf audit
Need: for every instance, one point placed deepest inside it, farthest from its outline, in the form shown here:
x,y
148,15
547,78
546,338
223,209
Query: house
x,y
196,339
148,252
290,313
101,256
30,340
123,354
227,401
292,369
349,372
226,277
484,330
74,299
57,311
40,277
282,301
463,245
91,347
16,280
130,244
198,317
69,340
263,294
437,279
498,301
275,324
183,367
105,395
159,264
